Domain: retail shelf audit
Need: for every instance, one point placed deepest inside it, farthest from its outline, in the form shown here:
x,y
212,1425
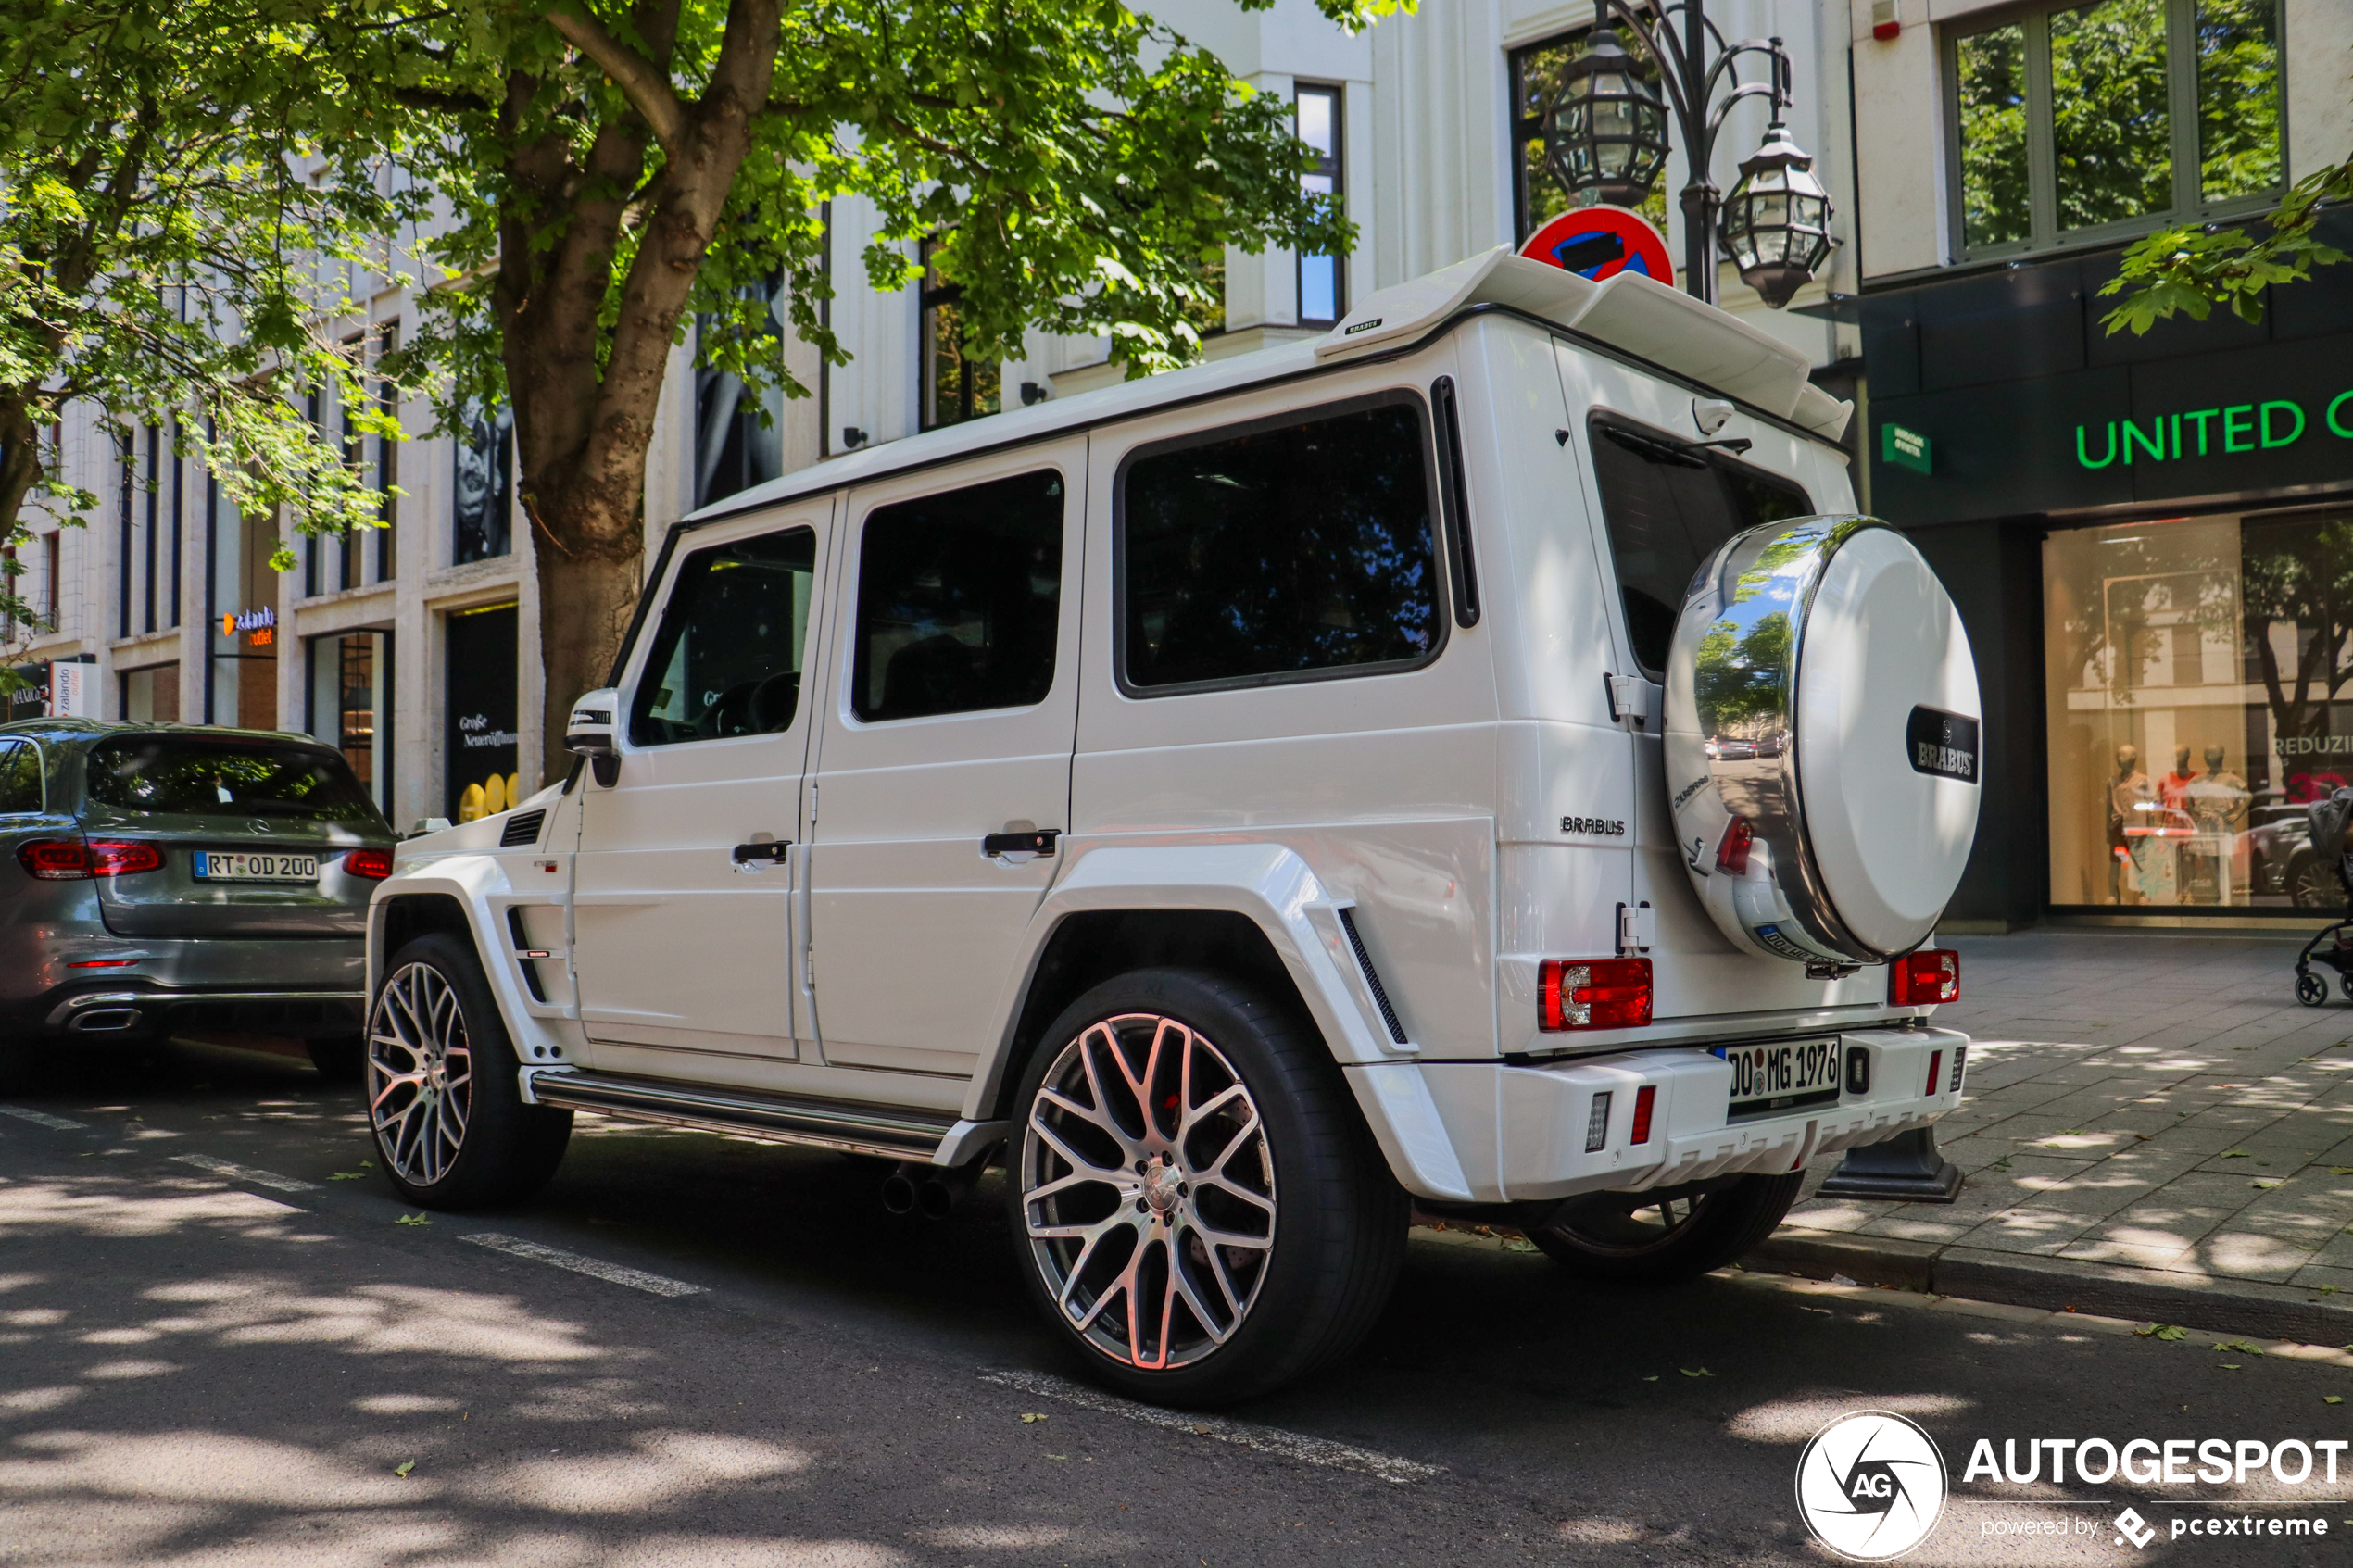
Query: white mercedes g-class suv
x,y
1473,759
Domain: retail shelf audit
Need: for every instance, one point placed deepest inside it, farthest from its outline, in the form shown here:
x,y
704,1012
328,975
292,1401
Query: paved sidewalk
x,y
2153,1127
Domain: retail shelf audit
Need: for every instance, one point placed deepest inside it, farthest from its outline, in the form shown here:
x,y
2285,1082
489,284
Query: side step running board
x,y
934,1137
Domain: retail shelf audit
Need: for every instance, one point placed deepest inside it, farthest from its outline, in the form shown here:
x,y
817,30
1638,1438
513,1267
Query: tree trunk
x,y
586,599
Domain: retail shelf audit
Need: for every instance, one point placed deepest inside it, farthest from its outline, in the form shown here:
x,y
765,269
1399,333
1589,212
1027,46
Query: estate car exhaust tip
x,y
104,1020
899,1193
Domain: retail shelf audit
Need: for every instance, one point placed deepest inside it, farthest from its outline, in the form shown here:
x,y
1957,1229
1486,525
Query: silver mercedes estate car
x,y
156,878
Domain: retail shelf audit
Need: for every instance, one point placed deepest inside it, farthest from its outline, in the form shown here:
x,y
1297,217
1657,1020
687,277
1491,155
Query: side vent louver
x,y
1372,977
522,830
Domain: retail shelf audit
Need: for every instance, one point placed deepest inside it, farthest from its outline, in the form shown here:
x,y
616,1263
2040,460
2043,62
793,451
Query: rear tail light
x,y
1593,994
1731,856
1644,1097
1930,975
71,859
1935,1070
373,864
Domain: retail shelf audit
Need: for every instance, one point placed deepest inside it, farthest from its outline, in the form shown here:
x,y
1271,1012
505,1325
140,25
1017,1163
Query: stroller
x,y
2332,946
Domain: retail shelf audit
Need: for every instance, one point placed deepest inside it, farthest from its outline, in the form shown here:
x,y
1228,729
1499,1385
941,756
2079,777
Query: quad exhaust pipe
x,y
935,1193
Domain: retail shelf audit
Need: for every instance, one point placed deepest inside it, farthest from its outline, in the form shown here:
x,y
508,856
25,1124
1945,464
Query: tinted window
x,y
958,596
727,658
190,773
1667,508
19,777
1283,552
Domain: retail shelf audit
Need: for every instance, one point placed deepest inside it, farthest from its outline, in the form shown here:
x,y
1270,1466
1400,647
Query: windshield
x,y
194,774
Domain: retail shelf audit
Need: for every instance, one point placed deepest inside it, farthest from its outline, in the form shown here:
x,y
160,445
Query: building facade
x,y
414,647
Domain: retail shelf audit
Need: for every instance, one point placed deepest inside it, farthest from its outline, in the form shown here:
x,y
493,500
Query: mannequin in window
x,y
2217,802
2173,789
2127,793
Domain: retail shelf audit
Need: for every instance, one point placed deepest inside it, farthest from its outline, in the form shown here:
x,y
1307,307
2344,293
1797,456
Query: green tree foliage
x,y
1992,81
616,168
163,256
2110,118
2187,270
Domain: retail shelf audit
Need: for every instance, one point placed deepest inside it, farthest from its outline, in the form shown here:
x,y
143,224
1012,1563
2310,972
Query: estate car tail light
x,y
55,859
121,857
373,864
1593,994
1644,1097
1933,975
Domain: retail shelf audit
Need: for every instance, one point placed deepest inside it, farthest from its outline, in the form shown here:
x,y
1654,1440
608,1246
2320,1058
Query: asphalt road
x,y
197,1367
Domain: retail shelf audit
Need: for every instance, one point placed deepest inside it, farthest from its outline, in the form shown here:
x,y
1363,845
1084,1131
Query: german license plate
x,y
213,865
1782,1075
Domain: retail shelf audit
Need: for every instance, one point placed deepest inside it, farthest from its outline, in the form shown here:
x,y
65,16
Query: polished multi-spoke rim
x,y
419,1074
1148,1191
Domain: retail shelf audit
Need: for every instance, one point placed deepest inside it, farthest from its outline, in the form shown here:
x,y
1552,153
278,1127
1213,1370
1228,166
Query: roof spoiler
x,y
1630,312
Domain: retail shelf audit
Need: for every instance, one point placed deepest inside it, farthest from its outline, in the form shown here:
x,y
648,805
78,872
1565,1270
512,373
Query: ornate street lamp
x,y
1604,136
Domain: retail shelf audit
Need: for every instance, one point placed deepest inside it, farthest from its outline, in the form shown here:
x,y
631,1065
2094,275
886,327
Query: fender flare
x,y
479,885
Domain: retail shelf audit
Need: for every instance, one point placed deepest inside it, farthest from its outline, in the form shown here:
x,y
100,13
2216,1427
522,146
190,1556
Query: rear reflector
x,y
101,963
373,864
1597,1122
1731,856
1922,979
1935,1070
1593,994
1644,1097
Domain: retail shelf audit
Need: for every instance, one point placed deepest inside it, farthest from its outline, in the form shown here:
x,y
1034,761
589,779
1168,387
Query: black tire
x,y
340,1061
1603,1235
1334,1222
498,1149
2311,989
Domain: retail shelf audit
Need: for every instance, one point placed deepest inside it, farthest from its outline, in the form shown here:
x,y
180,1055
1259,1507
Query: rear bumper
x,y
1479,1132
312,987
155,1009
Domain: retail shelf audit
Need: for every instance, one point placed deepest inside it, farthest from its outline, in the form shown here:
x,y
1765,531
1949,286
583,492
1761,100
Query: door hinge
x,y
1637,927
1629,698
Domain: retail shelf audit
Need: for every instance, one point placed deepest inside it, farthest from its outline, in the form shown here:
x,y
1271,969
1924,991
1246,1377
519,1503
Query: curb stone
x,y
2228,1306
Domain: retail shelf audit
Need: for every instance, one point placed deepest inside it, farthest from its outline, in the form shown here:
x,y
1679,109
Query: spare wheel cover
x,y
1822,741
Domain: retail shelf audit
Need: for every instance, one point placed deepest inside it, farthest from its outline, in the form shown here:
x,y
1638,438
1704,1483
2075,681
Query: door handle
x,y
772,850
1037,841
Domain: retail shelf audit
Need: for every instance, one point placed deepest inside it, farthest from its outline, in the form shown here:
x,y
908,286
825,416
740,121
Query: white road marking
x,y
1242,1433
42,1118
245,1174
596,1268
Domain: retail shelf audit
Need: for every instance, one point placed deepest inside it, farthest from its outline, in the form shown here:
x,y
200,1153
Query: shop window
x,y
351,706
956,387
1299,551
151,696
480,734
2200,694
241,673
2086,122
482,486
727,661
1537,73
740,434
959,600
1323,284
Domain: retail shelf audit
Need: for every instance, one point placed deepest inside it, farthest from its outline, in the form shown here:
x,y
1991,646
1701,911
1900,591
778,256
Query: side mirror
x,y
591,732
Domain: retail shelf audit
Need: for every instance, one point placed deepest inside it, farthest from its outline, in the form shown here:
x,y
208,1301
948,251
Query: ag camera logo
x,y
1870,1485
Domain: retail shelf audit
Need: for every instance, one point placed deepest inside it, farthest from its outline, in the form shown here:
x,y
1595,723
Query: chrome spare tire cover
x,y
1822,741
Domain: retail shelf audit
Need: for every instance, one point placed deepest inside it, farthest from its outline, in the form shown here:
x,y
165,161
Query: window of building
x,y
386,469
956,388
53,579
1537,72
1323,284
1301,549
1667,508
959,600
482,485
740,434
151,696
481,714
2087,121
351,705
240,666
11,578
727,661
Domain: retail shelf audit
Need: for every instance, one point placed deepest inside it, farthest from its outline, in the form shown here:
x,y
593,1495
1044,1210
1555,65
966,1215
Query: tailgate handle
x,y
1036,841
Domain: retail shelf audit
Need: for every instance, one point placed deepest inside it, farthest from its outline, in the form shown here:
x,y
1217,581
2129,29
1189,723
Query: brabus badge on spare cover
x,y
1943,743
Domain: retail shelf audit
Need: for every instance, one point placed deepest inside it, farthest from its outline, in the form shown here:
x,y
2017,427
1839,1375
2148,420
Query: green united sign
x,y
2201,432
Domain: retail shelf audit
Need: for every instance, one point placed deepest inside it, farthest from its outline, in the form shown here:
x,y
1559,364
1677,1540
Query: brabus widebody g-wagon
x,y
1474,758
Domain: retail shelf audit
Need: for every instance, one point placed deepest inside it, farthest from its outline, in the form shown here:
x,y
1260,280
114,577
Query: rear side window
x,y
959,594
188,774
1668,507
1297,550
19,777
727,661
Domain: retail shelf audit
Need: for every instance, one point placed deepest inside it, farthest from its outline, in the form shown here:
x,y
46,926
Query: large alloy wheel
x,y
1196,1201
1148,1190
421,1072
444,1100
1658,1237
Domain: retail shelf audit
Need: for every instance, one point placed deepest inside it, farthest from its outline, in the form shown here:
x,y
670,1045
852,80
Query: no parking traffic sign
x,y
1600,242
